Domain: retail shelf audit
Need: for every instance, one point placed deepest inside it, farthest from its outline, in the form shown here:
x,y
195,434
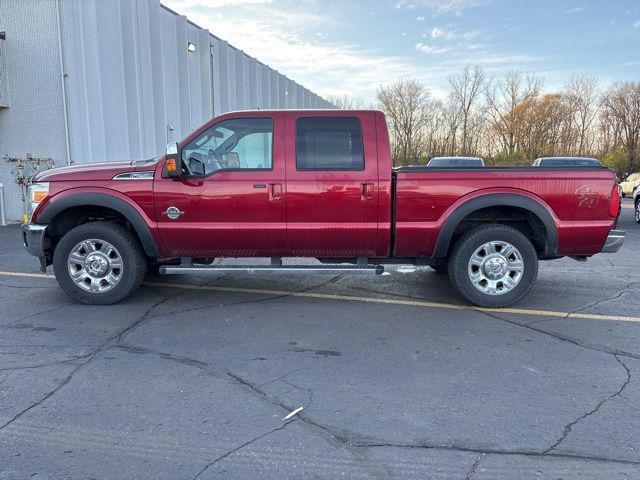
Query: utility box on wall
x,y
4,89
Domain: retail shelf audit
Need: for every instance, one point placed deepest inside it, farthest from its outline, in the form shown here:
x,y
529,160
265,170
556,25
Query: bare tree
x,y
467,86
621,105
582,98
345,102
406,105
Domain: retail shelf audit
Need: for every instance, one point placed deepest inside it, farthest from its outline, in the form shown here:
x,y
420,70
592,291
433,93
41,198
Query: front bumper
x,y
614,241
34,239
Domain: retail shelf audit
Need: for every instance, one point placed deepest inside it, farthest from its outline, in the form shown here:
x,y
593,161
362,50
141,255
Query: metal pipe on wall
x,y
3,214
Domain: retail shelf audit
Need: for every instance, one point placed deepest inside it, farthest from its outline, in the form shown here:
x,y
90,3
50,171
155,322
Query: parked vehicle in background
x,y
456,162
566,162
630,184
314,184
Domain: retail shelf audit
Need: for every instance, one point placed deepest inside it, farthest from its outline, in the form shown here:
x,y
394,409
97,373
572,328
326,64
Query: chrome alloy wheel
x,y
495,268
95,265
637,211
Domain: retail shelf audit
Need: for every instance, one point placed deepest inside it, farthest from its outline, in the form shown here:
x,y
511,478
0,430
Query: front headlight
x,y
36,193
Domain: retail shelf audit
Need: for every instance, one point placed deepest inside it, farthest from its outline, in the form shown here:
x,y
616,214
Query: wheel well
x,y
527,222
78,215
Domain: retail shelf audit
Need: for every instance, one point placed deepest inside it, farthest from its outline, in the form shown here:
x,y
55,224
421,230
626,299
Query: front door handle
x,y
275,192
368,189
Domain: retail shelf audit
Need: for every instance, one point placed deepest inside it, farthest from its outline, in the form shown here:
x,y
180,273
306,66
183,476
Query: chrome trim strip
x,y
147,175
267,270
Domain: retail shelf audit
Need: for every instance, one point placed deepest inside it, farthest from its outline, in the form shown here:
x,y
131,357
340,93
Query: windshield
x,y
571,162
455,162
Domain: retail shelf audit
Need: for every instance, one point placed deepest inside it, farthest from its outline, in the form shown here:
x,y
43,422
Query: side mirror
x,y
197,167
174,160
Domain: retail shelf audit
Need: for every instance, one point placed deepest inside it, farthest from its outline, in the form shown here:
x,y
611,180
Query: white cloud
x,y
301,43
430,48
437,32
442,6
287,40
636,24
184,4
574,10
420,18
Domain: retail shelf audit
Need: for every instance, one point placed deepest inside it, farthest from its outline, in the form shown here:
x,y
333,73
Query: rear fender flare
x,y
496,200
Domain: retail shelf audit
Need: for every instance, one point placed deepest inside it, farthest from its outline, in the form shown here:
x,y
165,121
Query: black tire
x,y
467,244
134,263
636,210
440,267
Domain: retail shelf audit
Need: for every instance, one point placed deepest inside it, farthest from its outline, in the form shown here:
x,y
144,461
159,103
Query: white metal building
x,y
97,80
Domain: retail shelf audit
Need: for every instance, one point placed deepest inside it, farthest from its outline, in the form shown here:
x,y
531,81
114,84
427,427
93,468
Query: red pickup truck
x,y
316,184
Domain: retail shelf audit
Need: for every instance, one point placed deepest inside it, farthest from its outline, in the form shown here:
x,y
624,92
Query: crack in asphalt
x,y
307,389
353,444
33,315
489,451
475,466
616,355
88,358
282,377
43,365
598,348
628,289
239,447
246,384
569,426
28,287
266,298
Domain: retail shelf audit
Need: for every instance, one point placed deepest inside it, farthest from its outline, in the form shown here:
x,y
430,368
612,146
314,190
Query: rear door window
x,y
329,143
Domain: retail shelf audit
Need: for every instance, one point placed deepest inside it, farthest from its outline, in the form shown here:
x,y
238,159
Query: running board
x,y
272,270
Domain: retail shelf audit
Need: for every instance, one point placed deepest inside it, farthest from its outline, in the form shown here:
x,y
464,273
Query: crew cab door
x,y
238,207
332,184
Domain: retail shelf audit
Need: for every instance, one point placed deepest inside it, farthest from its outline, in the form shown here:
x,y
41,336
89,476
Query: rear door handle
x,y
368,190
275,192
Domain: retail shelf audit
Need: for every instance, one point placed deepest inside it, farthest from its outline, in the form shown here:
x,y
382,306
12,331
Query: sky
x,y
351,47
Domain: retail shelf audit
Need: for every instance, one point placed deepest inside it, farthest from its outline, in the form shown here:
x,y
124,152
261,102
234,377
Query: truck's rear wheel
x,y
493,266
99,263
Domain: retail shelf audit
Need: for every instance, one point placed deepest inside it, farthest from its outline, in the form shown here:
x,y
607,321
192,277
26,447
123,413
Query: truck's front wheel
x,y
493,266
99,263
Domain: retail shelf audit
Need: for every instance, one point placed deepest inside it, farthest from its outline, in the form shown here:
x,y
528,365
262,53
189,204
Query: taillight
x,y
614,202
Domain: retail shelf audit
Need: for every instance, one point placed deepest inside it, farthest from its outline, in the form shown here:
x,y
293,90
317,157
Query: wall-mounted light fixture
x,y
191,47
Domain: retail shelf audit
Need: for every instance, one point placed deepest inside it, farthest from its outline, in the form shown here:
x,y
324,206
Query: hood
x,y
88,171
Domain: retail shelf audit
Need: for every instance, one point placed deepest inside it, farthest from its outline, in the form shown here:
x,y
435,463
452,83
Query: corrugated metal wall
x,y
133,85
34,121
129,84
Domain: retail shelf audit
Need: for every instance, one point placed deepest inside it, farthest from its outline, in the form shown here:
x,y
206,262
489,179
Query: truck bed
x,y
576,199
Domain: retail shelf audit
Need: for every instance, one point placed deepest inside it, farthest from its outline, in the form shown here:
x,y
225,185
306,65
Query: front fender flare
x,y
109,201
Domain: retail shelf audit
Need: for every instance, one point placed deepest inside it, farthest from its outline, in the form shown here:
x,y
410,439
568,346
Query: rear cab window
x,y
329,143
